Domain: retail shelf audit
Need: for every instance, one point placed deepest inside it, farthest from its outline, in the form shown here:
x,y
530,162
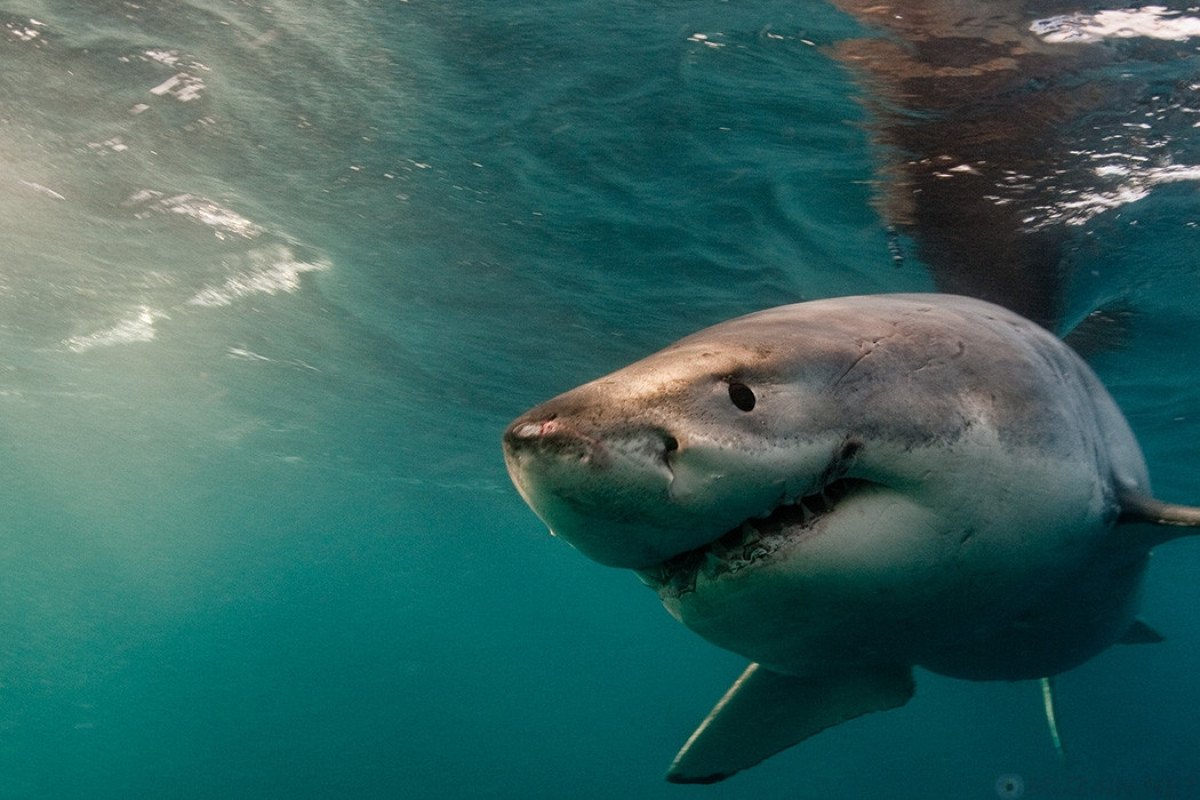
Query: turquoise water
x,y
274,278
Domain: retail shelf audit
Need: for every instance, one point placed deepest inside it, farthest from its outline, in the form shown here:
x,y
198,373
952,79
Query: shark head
x,y
674,451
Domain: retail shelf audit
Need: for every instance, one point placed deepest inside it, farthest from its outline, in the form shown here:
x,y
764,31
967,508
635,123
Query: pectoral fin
x,y
765,712
1176,520
1140,633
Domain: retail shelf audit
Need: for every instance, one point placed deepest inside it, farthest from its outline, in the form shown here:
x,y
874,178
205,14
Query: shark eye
x,y
742,396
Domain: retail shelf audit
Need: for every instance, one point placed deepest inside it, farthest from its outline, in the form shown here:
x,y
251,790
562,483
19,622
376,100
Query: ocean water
x,y
273,278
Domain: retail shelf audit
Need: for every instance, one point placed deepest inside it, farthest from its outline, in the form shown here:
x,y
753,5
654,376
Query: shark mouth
x,y
751,541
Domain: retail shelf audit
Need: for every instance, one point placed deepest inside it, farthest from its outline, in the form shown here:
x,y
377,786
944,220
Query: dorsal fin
x,y
1103,330
1136,507
765,712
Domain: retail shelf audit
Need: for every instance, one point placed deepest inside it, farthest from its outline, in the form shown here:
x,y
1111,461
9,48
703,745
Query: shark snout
x,y
549,437
603,488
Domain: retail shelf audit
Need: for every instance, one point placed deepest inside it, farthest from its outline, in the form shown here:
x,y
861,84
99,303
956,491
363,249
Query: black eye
x,y
742,396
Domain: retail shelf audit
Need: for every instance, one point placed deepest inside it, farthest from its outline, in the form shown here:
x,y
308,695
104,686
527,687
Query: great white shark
x,y
844,489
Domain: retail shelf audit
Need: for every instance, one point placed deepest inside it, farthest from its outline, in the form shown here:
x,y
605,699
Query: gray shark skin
x,y
843,489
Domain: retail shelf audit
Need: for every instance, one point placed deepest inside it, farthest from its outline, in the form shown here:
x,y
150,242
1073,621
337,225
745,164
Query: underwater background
x,y
273,278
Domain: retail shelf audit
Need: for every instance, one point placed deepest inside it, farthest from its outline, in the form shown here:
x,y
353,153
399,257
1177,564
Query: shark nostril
x,y
670,444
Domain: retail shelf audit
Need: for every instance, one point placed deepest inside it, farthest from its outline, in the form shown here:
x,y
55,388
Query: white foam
x,y
24,33
268,268
183,86
114,145
275,271
242,354
705,39
39,188
196,208
186,84
137,328
1149,22
1137,181
168,57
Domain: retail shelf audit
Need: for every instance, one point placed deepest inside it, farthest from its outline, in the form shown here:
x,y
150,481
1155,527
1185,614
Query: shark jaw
x,y
657,499
753,541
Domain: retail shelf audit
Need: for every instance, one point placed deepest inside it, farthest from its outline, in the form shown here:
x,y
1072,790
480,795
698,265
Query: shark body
x,y
844,489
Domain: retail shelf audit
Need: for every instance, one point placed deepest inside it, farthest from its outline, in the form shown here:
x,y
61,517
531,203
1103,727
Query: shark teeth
x,y
754,540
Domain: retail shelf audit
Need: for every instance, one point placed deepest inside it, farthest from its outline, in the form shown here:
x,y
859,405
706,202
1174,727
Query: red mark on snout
x,y
551,426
